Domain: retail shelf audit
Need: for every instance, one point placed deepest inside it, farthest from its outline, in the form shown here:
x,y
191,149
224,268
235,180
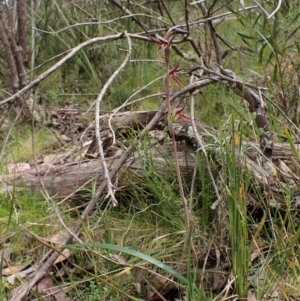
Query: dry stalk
x,y
110,188
126,103
45,191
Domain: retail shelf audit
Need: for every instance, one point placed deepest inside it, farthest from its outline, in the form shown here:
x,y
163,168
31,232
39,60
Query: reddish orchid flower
x,y
173,31
178,113
166,42
173,76
163,44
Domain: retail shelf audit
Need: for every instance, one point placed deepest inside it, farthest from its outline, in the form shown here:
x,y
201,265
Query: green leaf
x,y
134,253
246,42
245,36
271,56
137,254
275,72
266,41
261,53
292,22
275,29
293,33
257,19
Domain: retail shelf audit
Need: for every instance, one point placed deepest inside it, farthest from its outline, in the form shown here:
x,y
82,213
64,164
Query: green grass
x,y
20,145
132,250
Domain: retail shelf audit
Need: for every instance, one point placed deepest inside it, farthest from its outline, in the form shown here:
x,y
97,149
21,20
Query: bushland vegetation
x,y
150,150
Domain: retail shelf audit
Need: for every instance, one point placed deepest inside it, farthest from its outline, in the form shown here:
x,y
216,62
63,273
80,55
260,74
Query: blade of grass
x,y
142,256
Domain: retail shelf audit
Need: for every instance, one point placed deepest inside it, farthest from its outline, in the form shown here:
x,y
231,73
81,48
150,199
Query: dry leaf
x,y
57,238
50,292
45,284
118,258
65,254
255,254
59,296
53,158
285,169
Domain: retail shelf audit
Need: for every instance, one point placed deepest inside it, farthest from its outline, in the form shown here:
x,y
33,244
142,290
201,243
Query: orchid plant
x,y
171,73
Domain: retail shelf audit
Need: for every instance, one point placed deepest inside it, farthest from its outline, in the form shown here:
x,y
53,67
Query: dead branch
x,y
62,180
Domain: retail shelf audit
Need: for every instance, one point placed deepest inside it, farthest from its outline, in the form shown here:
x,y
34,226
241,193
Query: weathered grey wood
x,y
62,180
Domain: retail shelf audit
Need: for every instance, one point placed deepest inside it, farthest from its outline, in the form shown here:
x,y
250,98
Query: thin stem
x,y
176,160
97,123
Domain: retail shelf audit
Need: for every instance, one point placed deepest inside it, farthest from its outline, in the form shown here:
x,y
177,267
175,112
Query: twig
x,y
260,6
59,64
197,2
230,76
168,13
275,10
283,114
265,12
97,122
70,55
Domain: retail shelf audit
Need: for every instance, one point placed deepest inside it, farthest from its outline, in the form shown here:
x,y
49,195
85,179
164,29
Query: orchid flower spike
x,y
165,42
178,114
173,75
173,31
161,42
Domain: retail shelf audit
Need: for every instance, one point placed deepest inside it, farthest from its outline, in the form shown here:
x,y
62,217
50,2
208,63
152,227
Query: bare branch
x,y
269,16
59,64
275,10
214,37
97,122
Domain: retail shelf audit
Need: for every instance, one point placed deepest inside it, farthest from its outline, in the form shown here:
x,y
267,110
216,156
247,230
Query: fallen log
x,y
63,180
66,179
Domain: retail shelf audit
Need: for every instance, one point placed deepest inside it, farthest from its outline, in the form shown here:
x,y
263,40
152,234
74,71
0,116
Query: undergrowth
x,y
137,250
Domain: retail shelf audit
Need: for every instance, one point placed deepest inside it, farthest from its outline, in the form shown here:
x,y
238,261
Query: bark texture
x,y
62,180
